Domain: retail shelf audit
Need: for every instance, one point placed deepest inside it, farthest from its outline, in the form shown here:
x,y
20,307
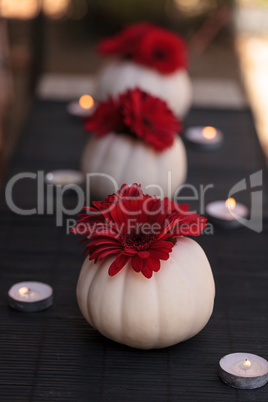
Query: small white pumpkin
x,y
174,88
130,160
172,306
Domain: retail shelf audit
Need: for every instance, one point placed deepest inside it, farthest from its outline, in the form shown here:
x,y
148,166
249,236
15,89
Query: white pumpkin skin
x,y
172,306
174,88
130,160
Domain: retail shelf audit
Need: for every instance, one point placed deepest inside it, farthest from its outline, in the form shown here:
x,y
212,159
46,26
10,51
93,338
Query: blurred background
x,y
45,44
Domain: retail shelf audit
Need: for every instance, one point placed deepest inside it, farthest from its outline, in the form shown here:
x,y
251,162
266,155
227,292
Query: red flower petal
x,y
143,254
147,272
101,254
137,263
105,119
141,265
130,251
118,264
153,264
162,245
159,254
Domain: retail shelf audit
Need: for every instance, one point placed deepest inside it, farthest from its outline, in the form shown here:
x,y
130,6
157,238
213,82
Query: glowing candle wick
x,y
209,132
28,293
247,363
24,290
86,101
230,203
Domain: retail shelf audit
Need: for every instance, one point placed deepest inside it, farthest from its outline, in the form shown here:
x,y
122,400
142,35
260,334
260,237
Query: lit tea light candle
x,y
207,138
30,296
64,177
243,370
227,213
82,107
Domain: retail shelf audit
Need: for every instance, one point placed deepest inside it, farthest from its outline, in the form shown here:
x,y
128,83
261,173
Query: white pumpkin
x,y
172,306
130,160
174,88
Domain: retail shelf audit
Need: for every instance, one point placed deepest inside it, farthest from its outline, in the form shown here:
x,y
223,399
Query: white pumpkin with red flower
x,y
135,139
144,283
150,58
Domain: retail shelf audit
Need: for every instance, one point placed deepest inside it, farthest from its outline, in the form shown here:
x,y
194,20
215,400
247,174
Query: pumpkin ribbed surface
x,y
172,306
130,160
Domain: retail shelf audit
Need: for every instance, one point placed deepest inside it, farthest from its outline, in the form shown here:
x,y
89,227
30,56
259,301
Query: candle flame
x,y
247,363
230,203
209,132
24,290
86,101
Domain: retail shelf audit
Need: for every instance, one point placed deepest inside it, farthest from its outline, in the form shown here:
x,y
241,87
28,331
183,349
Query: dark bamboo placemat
x,y
54,355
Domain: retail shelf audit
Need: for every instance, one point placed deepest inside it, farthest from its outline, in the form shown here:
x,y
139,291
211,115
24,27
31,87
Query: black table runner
x,y
55,355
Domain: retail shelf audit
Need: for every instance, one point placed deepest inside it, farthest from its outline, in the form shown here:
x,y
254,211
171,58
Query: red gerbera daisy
x,y
162,50
105,119
138,113
136,227
149,118
148,45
